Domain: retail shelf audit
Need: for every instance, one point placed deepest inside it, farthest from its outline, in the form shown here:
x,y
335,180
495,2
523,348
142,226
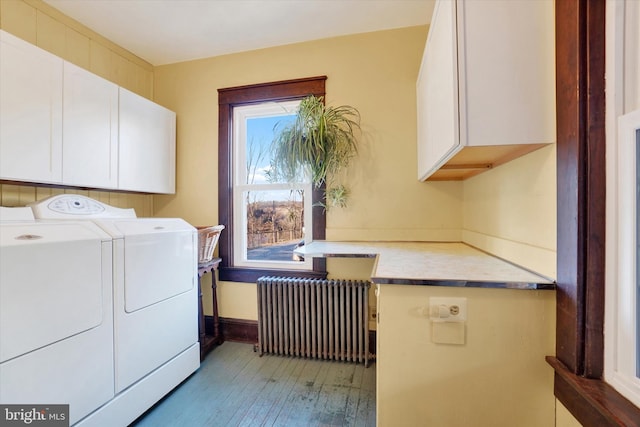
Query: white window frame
x,y
240,116
621,310
621,294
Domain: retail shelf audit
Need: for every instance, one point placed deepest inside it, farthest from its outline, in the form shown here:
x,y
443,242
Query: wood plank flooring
x,y
236,387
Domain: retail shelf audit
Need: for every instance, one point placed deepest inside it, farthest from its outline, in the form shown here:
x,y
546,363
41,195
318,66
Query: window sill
x,y
593,402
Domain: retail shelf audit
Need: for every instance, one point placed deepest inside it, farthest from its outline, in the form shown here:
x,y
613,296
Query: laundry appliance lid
x,y
49,232
144,226
15,214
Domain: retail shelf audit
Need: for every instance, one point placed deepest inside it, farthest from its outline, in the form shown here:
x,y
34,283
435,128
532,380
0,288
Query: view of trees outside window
x,y
274,216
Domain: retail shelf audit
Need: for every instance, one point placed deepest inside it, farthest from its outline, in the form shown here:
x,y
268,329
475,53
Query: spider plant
x,y
320,141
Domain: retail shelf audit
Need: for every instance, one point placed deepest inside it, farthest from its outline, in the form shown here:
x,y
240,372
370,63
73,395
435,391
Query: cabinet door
x,y
90,129
437,93
146,145
507,72
30,112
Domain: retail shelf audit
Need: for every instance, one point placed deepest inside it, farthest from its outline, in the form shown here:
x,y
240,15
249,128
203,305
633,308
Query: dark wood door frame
x,y
581,180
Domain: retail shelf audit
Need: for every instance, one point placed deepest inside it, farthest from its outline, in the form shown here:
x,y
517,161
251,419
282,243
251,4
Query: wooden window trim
x,y
228,98
579,360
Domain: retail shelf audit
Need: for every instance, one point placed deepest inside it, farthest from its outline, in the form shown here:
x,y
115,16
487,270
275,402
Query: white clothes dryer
x,y
155,301
56,315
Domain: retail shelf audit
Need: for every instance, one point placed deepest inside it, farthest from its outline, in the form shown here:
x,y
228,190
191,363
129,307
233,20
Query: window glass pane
x,y
260,133
275,224
269,212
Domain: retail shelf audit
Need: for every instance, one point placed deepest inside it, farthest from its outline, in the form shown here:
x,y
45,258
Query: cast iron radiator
x,y
314,318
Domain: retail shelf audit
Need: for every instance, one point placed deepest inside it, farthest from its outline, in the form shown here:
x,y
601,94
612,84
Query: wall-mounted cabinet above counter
x,y
486,87
62,125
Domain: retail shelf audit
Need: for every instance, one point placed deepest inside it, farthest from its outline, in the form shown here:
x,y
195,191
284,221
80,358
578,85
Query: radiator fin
x,y
314,318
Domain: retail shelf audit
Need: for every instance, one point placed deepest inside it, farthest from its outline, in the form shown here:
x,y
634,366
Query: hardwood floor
x,y
236,387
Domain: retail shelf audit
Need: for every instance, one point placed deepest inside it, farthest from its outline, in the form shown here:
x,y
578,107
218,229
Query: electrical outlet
x,y
445,309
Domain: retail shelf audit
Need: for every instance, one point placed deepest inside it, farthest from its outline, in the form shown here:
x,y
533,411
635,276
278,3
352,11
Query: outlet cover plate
x,y
448,309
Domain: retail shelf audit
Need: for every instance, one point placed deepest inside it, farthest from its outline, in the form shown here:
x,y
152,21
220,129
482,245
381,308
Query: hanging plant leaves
x,y
321,141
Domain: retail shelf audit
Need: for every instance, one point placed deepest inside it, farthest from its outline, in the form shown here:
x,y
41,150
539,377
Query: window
x,y
270,216
263,218
622,364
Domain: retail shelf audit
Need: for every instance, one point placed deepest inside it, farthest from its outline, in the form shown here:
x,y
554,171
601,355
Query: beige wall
x,y
374,72
43,26
498,377
510,211
564,418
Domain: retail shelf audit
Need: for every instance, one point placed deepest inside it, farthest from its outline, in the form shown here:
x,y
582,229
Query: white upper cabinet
x,y
486,88
61,124
30,112
147,153
90,130
437,91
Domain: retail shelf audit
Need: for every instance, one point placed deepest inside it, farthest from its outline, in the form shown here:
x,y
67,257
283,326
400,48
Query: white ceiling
x,y
168,31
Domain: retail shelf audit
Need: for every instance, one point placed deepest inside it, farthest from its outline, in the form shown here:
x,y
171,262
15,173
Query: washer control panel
x,y
76,206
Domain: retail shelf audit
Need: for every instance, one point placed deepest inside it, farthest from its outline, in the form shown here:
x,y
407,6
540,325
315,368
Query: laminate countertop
x,y
432,263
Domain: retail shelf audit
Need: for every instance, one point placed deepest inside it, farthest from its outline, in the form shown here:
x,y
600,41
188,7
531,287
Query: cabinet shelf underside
x,y
471,161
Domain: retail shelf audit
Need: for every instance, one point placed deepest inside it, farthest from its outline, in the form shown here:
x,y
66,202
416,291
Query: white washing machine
x,y
155,301
56,315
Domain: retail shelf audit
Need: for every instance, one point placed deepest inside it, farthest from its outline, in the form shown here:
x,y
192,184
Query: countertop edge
x,y
544,284
465,283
